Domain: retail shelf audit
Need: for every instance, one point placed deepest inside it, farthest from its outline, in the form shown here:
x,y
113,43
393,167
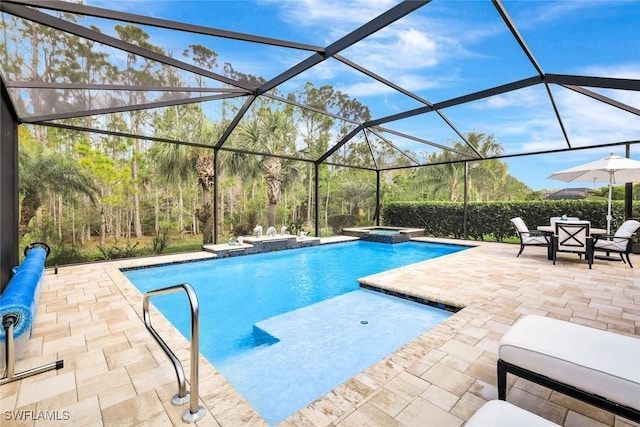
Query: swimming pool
x,y
238,295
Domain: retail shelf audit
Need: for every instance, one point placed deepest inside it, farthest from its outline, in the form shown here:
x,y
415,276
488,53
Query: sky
x,y
446,49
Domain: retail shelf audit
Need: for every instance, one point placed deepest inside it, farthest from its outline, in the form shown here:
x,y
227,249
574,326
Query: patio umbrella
x,y
611,169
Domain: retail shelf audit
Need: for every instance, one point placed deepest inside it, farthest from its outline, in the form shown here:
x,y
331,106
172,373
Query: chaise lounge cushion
x,y
600,362
498,413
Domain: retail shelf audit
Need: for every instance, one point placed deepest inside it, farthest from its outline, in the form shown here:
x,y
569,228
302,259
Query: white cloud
x,y
619,71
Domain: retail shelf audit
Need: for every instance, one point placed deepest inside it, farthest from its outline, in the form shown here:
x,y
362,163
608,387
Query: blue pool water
x,y
243,298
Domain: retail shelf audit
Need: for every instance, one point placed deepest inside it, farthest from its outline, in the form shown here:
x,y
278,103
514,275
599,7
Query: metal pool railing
x,y
195,412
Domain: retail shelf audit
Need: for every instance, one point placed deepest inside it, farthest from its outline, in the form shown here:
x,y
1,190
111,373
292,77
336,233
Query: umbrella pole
x,y
609,205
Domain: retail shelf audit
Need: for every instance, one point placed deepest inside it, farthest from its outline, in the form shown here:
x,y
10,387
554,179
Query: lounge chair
x,y
574,237
498,413
528,237
621,242
598,367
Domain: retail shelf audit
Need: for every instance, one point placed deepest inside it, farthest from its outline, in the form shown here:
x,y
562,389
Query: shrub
x,y
338,222
492,219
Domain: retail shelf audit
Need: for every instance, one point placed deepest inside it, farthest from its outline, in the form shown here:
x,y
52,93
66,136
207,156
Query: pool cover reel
x,y
19,301
18,305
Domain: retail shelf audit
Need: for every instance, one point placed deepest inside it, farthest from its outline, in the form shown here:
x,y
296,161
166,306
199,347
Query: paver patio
x,y
116,375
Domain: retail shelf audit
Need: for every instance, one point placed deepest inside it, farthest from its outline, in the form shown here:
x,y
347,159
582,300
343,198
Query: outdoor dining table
x,y
550,229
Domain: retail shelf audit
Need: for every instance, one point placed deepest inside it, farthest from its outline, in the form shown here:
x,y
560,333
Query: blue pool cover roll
x,y
20,297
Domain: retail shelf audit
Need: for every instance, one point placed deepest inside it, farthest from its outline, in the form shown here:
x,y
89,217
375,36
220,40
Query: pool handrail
x,y
195,412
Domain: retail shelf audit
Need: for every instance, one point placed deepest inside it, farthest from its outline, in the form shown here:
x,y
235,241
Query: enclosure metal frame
x,y
28,9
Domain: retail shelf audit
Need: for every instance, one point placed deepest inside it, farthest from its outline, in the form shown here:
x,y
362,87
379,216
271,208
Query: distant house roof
x,y
569,193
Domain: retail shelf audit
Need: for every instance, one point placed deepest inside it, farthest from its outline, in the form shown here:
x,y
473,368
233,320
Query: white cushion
x,y
618,245
531,240
628,228
600,362
620,240
498,413
520,225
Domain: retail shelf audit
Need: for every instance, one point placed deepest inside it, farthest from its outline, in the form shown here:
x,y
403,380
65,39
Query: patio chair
x,y
621,242
593,365
528,237
573,237
555,219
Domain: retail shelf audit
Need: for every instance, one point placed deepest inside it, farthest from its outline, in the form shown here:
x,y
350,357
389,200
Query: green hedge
x,y
492,219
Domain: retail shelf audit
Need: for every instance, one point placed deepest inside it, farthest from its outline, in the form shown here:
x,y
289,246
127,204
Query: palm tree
x,y
355,192
270,132
175,161
443,179
48,170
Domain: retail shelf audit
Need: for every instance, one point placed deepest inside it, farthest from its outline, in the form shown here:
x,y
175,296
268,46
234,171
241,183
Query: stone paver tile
x,y
299,419
77,414
65,344
142,410
440,397
242,415
531,387
484,390
388,402
422,413
112,387
136,359
448,379
578,420
423,364
20,417
461,350
58,401
152,378
532,403
483,371
313,417
406,385
324,407
582,408
467,406
369,415
43,387
87,364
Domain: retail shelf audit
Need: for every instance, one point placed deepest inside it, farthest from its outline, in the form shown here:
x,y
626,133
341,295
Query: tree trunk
x,y
136,197
30,204
273,178
180,210
103,227
206,216
309,192
326,204
204,167
156,225
60,217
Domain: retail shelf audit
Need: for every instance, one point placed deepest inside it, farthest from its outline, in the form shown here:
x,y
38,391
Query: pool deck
x,y
116,375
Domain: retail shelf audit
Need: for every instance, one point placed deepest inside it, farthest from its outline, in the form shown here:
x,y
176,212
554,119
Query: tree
x,y
316,128
48,170
190,124
145,74
271,132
